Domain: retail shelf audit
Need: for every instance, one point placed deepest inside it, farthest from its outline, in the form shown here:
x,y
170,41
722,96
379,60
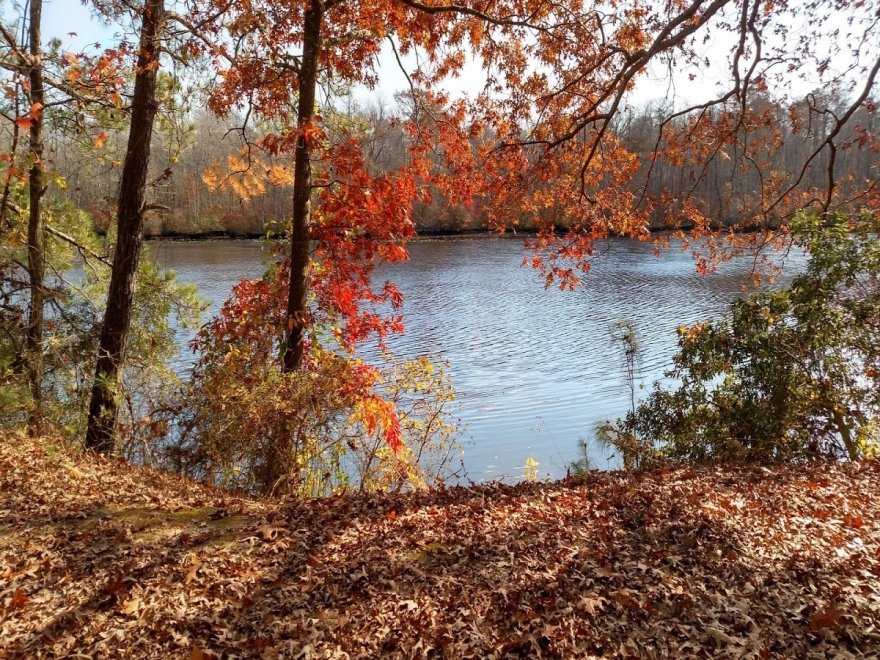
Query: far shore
x,y
479,232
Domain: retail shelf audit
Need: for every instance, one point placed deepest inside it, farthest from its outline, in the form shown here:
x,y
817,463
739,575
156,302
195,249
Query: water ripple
x,y
535,369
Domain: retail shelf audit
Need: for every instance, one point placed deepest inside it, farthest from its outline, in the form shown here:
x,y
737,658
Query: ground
x,y
100,559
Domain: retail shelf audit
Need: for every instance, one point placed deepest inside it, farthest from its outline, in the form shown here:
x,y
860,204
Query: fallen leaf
x,y
590,605
829,617
19,599
271,532
131,606
720,637
194,566
853,521
115,586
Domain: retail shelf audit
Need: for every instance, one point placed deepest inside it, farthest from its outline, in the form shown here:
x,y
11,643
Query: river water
x,y
534,369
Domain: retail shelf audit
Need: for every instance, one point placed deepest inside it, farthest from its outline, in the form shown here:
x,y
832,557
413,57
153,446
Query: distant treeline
x,y
210,178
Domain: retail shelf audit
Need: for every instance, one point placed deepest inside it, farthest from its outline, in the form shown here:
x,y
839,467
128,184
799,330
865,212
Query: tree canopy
x,y
547,137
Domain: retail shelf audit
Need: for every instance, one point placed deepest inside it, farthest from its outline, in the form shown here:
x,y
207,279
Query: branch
x,y
468,11
829,140
79,246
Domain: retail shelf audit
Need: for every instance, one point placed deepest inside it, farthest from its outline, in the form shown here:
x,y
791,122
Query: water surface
x,y
535,369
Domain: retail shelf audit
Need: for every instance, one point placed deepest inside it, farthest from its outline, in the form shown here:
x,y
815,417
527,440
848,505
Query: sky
x,y
62,17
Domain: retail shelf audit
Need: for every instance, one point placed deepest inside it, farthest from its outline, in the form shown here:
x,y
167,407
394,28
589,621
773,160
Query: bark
x,y
36,257
298,290
101,431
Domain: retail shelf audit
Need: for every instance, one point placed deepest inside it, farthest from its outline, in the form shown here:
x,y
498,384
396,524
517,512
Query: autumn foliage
x,y
292,391
539,140
99,557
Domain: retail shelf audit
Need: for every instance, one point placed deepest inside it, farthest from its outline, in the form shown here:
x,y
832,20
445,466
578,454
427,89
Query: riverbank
x,y
429,234
100,558
474,232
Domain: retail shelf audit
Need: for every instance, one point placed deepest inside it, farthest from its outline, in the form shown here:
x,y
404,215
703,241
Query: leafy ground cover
x,y
101,559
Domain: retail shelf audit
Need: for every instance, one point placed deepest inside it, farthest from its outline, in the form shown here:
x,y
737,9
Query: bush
x,y
788,374
76,288
336,424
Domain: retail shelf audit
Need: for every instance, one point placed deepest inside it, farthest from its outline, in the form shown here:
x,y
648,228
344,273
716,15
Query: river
x,y
534,369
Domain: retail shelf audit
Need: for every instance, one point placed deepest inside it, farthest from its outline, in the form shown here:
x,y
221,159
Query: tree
x,y
36,256
31,65
537,144
132,188
539,141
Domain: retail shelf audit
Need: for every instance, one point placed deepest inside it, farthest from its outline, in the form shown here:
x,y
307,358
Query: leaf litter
x,y
99,558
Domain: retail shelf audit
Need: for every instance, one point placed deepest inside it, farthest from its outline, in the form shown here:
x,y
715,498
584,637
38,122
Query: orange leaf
x,y
100,140
853,521
24,123
194,566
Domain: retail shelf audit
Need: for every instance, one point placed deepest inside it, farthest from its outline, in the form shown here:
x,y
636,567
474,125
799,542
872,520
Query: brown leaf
x,y
829,617
720,637
115,586
194,566
624,598
271,532
132,606
590,605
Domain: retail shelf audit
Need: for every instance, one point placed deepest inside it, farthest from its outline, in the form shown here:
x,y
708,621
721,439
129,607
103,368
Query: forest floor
x,y
100,559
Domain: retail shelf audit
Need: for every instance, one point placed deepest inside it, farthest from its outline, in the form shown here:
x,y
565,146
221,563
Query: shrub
x,y
338,423
787,374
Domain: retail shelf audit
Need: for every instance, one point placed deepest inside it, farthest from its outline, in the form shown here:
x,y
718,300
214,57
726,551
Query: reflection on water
x,y
535,369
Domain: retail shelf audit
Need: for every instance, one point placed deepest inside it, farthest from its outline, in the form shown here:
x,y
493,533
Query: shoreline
x,y
220,235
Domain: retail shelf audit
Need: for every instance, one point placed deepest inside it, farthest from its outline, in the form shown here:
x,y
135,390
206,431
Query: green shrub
x,y
787,374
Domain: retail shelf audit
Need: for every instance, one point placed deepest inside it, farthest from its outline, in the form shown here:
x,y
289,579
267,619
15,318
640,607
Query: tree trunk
x,y
36,256
298,290
101,429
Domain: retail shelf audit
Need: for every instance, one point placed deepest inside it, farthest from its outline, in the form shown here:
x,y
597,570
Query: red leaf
x,y
853,521
19,599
